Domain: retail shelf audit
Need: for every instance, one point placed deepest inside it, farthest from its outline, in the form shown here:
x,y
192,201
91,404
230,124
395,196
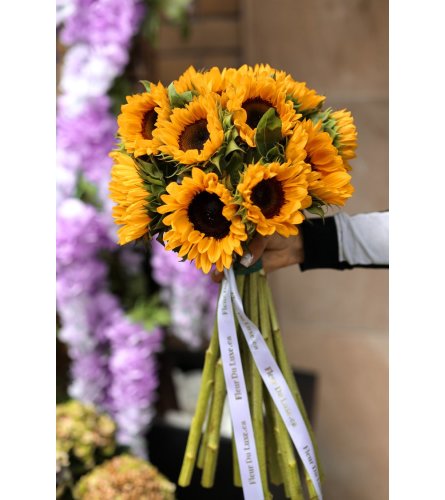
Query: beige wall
x,y
336,323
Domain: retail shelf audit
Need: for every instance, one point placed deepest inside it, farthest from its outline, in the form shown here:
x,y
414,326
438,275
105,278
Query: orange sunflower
x,y
201,81
139,118
192,134
306,99
202,216
329,180
273,196
345,134
126,189
249,96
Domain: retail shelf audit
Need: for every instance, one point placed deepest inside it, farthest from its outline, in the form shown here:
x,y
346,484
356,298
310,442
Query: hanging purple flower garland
x,y
81,233
190,295
113,359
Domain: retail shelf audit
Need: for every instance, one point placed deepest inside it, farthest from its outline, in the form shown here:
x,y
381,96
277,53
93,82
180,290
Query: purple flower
x,y
85,140
81,235
134,379
113,364
190,295
91,377
109,24
87,75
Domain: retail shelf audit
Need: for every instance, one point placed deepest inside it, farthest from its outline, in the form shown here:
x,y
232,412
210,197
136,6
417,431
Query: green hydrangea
x,y
124,478
84,434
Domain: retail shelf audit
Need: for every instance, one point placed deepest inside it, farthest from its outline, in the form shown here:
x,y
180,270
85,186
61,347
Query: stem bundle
x,y
276,455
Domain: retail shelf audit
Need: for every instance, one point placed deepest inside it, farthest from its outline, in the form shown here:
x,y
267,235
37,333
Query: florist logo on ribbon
x,y
248,453
233,365
283,400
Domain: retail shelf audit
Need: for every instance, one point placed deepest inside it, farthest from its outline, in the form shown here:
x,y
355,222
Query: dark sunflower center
x,y
148,124
205,213
194,136
268,195
255,109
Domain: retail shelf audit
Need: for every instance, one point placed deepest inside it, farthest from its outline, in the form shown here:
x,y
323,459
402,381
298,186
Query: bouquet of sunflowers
x,y
204,165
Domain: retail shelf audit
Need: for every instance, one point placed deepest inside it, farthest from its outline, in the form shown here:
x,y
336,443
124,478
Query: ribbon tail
x,y
238,398
277,386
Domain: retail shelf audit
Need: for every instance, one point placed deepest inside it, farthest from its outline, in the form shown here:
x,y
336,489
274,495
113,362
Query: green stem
x,y
257,389
205,438
285,453
310,487
274,457
216,411
188,463
285,367
236,473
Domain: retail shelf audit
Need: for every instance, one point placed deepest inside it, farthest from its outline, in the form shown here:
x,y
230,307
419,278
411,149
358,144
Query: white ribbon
x,y
272,378
238,399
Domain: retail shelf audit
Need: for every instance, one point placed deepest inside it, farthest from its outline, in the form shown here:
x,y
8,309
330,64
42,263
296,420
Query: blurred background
x,y
334,323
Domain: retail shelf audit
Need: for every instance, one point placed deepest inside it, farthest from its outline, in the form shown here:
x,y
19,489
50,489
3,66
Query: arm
x,y
345,242
338,242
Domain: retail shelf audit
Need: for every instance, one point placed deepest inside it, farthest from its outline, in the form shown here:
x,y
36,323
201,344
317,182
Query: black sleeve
x,y
320,243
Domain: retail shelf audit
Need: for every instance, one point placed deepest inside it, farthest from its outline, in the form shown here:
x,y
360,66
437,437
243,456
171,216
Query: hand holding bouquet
x,y
204,165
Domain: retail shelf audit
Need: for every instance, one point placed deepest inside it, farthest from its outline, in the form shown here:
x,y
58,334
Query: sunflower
x,y
306,100
249,96
127,191
345,134
203,221
260,70
273,196
296,143
194,133
139,118
329,180
201,81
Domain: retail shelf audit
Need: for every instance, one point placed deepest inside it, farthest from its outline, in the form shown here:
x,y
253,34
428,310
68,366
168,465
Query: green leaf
x,y
216,161
87,191
316,210
273,153
150,313
233,167
150,172
179,100
146,84
268,132
231,147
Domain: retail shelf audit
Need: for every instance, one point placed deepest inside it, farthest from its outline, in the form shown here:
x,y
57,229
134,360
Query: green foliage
x,y
146,84
305,113
179,100
268,132
86,191
328,124
316,210
175,11
317,207
150,313
150,172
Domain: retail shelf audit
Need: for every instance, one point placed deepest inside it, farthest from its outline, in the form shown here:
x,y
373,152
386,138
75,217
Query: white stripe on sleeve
x,y
363,239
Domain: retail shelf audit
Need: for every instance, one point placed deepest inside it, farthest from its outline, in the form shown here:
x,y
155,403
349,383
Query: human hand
x,y
276,252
